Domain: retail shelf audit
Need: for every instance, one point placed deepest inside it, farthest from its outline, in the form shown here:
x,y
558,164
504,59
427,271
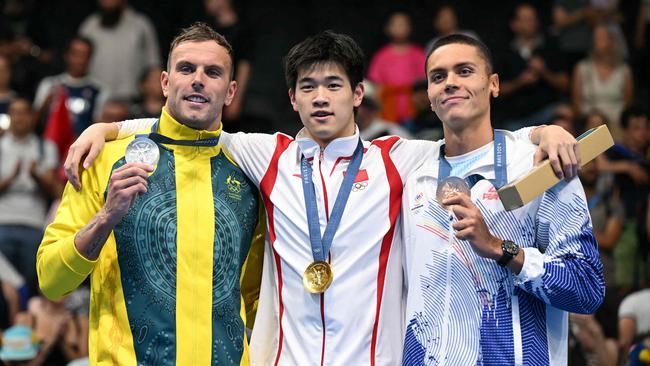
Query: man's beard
x,y
110,17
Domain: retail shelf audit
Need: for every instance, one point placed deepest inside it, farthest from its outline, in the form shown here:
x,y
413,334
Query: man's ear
x,y
359,91
164,83
292,98
494,85
232,89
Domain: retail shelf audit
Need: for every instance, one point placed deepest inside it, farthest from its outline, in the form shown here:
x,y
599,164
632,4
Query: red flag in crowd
x,y
59,126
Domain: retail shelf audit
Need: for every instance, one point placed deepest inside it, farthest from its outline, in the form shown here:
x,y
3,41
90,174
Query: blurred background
x,y
576,63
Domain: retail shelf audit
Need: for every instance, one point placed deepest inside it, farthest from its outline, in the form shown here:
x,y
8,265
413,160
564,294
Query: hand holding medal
x,y
450,187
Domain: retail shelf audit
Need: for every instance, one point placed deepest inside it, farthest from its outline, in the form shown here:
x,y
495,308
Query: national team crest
x,y
234,187
361,181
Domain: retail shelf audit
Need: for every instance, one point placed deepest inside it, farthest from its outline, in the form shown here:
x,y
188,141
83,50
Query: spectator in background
x,y
27,182
425,124
371,126
633,319
6,94
641,51
115,108
565,117
395,67
572,22
594,119
608,219
603,81
9,304
223,17
532,73
124,46
151,98
627,159
9,276
631,149
588,345
85,97
60,327
445,23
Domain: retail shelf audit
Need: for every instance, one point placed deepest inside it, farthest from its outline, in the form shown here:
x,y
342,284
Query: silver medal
x,y
142,150
450,187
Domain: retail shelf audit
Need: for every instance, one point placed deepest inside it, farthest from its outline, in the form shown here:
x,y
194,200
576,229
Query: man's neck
x,y
323,143
467,138
19,136
213,126
76,76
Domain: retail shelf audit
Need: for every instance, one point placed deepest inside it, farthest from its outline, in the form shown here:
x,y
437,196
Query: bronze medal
x,y
317,277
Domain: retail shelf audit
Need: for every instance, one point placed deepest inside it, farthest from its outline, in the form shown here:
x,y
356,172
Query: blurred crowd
x,y
574,63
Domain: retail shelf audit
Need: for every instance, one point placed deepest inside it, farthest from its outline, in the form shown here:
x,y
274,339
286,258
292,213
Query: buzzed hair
x,y
482,50
200,32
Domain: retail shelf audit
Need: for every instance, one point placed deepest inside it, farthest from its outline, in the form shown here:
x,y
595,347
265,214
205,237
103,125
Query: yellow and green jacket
x,y
165,289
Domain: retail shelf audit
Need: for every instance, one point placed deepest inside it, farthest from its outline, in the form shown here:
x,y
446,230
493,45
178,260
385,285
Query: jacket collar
x,y
338,148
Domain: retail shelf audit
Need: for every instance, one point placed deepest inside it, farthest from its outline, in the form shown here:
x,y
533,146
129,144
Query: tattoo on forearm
x,y
92,241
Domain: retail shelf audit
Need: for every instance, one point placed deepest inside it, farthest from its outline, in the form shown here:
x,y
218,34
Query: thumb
x,y
539,156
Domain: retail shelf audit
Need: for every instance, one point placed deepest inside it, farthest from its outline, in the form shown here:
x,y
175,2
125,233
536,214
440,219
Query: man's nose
x,y
198,81
451,82
321,98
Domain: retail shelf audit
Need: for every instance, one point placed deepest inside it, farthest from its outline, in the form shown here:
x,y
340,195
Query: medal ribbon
x,y
162,139
500,171
320,246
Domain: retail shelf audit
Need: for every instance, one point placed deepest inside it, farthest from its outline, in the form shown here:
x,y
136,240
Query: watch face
x,y
510,247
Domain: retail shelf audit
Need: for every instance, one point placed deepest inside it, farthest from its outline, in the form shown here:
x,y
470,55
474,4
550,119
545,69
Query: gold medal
x,y
317,277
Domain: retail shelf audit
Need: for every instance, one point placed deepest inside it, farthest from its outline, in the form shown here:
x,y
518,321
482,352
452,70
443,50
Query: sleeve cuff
x,y
72,259
533,268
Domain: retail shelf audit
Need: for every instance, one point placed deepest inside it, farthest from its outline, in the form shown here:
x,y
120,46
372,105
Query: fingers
x,y
128,182
95,149
125,185
464,224
554,160
458,199
540,156
465,234
71,165
568,161
576,153
131,169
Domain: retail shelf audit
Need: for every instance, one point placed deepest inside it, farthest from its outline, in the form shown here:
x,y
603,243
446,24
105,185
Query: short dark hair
x,y
21,99
631,112
321,48
81,39
199,32
481,48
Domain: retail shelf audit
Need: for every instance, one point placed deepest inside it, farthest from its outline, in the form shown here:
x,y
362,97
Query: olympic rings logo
x,y
360,186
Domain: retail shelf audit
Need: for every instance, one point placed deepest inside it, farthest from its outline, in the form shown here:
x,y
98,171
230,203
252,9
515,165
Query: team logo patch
x,y
234,187
418,202
491,194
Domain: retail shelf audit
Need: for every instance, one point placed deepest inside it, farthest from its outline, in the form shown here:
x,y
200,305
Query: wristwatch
x,y
510,250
